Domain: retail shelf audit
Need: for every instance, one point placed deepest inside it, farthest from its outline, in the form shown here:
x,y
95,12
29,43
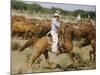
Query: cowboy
x,y
54,28
78,17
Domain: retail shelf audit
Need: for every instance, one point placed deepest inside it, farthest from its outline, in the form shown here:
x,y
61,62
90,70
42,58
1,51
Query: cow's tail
x,y
27,44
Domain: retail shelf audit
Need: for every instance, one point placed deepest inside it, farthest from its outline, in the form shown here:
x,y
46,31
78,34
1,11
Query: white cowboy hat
x,y
56,14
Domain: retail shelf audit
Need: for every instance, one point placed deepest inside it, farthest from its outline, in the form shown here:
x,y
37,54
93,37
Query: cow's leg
x,y
94,59
72,55
77,43
90,52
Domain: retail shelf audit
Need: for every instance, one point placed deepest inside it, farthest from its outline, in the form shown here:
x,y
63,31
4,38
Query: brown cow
x,y
93,44
26,28
88,32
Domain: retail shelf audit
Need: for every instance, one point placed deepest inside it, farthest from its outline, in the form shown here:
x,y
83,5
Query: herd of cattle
x,y
26,28
83,30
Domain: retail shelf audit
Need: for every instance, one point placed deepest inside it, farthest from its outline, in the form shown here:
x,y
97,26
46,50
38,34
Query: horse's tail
x,y
27,44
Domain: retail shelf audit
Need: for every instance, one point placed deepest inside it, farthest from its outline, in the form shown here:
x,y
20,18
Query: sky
x,y
70,7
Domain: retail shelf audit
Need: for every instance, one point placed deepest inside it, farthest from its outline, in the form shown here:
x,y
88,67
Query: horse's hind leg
x,y
46,56
51,65
34,57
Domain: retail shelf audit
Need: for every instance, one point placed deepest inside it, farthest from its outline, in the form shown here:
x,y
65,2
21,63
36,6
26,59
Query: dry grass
x,y
20,60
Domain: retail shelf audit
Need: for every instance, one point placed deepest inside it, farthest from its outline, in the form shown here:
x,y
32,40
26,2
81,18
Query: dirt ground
x,y
19,61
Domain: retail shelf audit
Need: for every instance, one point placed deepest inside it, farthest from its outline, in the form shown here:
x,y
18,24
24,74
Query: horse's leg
x,y
51,65
34,57
46,56
60,47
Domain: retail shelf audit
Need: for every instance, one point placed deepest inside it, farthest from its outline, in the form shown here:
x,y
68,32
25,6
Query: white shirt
x,y
55,24
78,18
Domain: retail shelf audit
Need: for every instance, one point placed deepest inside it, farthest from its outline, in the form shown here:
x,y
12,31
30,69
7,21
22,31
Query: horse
x,y
40,47
42,44
65,35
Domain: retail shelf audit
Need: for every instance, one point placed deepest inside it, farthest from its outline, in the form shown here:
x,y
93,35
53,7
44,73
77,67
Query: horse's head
x,y
65,32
